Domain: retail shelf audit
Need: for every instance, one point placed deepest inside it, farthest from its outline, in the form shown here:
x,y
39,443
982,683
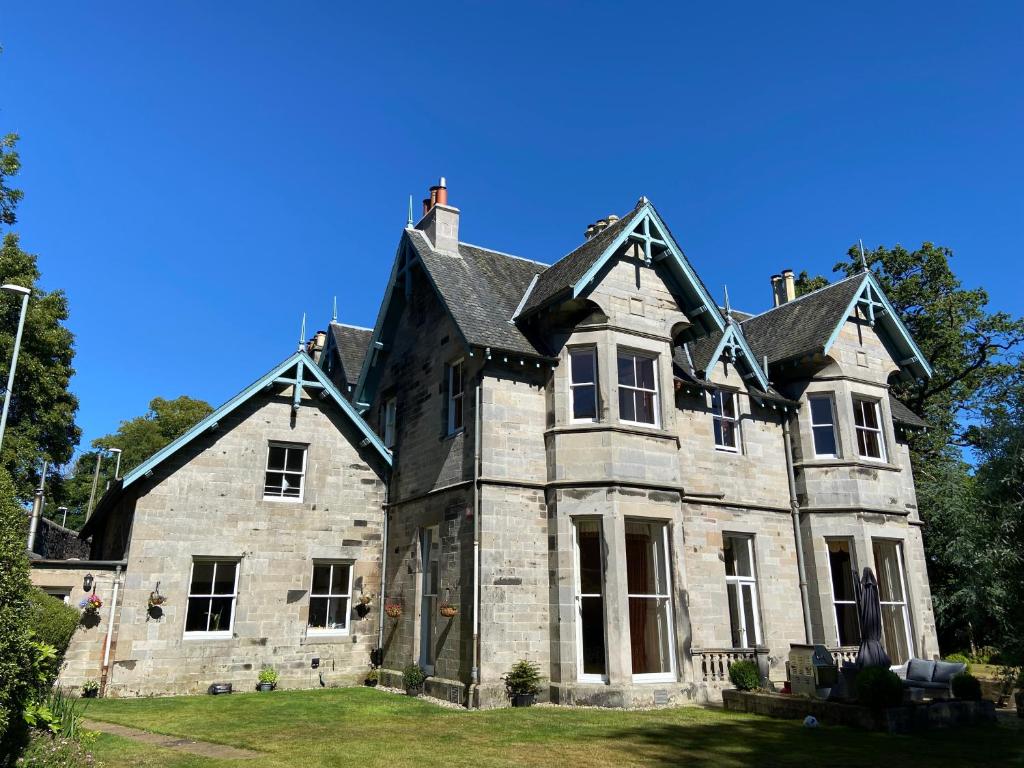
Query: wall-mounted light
x,y
87,582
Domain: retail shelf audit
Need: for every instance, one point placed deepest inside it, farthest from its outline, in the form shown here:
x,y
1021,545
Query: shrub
x,y
879,687
523,679
16,650
960,658
45,750
268,675
986,654
744,675
372,675
966,686
413,676
52,621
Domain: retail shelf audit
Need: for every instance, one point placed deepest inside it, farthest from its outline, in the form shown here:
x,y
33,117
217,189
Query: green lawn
x,y
363,727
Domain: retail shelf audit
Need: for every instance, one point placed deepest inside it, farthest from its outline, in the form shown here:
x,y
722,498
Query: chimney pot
x,y
612,218
789,284
591,231
776,290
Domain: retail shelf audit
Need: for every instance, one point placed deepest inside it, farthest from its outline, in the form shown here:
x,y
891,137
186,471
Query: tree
x,y
805,283
10,164
138,438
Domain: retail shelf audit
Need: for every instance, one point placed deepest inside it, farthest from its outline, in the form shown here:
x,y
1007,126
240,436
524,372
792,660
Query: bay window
x,y
589,587
823,426
868,423
892,594
638,388
844,592
583,384
650,601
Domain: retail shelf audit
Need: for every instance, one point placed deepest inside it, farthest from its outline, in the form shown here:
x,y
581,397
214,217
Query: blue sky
x,y
197,175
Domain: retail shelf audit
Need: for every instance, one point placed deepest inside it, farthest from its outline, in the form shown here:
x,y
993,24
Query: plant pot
x,y
370,683
265,687
524,699
362,609
413,690
1018,699
90,694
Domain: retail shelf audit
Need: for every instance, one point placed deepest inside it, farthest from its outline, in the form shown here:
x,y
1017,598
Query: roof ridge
x,y
503,253
350,325
801,298
594,236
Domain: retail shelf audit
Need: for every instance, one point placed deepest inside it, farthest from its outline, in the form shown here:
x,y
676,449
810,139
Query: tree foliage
x,y
138,438
41,418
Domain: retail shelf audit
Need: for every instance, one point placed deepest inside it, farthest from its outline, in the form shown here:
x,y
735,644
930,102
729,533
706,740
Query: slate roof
x,y
482,291
352,343
565,272
801,326
902,414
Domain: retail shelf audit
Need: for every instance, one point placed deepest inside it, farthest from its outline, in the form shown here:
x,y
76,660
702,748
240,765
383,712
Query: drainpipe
x,y
110,628
476,532
37,507
383,572
794,508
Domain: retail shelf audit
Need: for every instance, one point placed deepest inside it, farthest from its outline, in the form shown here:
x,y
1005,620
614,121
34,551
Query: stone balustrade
x,y
711,665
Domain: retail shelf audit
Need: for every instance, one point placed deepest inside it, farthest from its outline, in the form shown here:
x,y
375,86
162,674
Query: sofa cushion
x,y
926,684
947,670
920,670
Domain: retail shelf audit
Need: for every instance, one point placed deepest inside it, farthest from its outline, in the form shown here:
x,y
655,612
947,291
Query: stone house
x,y
591,465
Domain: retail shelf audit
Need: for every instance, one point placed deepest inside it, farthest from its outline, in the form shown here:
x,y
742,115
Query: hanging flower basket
x,y
365,598
156,600
448,610
91,605
394,610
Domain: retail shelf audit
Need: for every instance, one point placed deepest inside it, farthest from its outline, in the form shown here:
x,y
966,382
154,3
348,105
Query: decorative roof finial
x,y
302,333
334,314
728,309
408,221
863,258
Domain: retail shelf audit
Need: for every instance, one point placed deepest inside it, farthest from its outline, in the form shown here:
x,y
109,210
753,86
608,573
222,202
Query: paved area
x,y
201,748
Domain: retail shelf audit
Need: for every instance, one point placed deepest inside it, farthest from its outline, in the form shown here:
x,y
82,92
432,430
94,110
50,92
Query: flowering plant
x,y
156,599
91,604
394,610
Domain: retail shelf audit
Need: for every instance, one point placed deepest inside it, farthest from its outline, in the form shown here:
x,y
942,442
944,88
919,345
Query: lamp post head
x,y
12,288
114,450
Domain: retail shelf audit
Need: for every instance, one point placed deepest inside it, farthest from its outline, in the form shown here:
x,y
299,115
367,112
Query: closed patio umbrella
x,y
871,652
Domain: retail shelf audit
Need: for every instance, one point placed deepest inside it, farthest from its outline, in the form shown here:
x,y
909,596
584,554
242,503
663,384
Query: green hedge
x,y
52,621
744,675
879,687
16,651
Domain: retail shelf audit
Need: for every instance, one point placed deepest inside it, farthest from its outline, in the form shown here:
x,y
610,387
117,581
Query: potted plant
x,y
393,610
413,677
372,678
91,605
90,689
448,610
267,679
523,683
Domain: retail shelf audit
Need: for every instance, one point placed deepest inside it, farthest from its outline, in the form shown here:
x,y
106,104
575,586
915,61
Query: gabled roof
x,y
812,322
302,368
349,343
902,414
574,273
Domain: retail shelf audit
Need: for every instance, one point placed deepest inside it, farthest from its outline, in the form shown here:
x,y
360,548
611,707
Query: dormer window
x,y
868,421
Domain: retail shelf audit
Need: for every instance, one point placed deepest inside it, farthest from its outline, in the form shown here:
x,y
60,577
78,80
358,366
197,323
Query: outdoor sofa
x,y
935,678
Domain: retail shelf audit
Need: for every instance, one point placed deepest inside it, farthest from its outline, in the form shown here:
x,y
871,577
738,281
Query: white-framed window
x,y
389,411
868,422
330,598
430,587
59,593
725,418
286,472
823,426
892,596
649,588
456,396
638,388
741,585
583,384
213,588
591,654
844,591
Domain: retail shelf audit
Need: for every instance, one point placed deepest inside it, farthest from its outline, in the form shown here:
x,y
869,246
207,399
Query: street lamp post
x,y
117,469
24,292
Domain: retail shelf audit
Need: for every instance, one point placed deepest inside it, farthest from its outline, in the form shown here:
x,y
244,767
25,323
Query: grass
x,y
358,726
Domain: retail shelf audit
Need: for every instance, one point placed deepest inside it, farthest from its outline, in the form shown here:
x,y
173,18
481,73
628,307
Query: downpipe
x,y
794,509
477,453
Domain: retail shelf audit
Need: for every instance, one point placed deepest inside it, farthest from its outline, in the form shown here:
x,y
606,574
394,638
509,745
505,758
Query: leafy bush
x,y
373,675
879,687
986,654
90,687
16,650
46,750
268,675
960,658
413,676
967,686
52,621
744,675
523,679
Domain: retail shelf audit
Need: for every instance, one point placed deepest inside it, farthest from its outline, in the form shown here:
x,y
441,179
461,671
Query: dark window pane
x,y
588,538
747,591
716,402
592,635
729,552
339,586
719,435
457,405
275,483
195,618
734,615
842,570
648,633
639,561
584,403
824,441
645,372
337,612
729,404
224,584
728,434
644,407
220,613
295,456
202,577
582,366
291,486
321,579
870,415
627,408
627,375
821,410
318,612
849,628
276,459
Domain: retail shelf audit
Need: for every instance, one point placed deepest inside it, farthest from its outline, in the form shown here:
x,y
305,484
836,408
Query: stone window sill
x,y
627,429
824,463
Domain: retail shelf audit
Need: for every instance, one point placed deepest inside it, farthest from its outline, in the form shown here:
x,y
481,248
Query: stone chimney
x,y
600,225
777,295
315,346
440,222
783,287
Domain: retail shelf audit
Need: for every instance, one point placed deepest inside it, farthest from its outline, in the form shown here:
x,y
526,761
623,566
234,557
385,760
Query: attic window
x,y
286,472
